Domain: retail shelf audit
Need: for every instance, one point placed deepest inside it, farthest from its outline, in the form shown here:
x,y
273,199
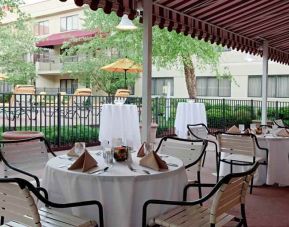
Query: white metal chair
x,y
200,131
191,152
18,208
280,123
240,150
25,157
121,95
228,193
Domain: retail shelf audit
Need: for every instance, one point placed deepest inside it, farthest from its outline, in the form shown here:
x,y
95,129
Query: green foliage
x,y
169,50
16,41
11,6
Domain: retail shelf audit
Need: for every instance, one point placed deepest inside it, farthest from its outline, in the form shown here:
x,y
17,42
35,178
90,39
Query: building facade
x,y
54,22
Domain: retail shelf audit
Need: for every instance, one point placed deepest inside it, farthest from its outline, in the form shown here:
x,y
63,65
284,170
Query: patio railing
x,y
66,119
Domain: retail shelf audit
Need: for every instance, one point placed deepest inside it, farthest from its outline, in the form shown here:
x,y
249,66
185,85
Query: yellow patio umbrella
x,y
123,65
3,77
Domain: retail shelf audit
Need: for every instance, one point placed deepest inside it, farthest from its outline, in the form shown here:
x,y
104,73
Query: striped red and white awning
x,y
238,24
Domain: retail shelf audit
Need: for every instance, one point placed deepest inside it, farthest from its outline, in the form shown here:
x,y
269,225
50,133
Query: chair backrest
x,y
17,204
22,95
189,151
198,131
237,143
80,96
29,155
231,191
122,93
279,123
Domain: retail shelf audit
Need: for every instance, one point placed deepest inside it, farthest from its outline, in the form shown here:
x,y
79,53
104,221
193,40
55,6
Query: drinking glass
x,y
108,156
116,142
148,147
241,127
105,144
253,126
79,147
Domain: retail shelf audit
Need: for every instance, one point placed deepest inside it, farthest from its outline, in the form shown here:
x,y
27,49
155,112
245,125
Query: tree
x,y
11,6
17,42
169,48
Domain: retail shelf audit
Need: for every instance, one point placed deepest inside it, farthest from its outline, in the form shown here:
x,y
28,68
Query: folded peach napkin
x,y
141,151
153,161
283,132
85,162
234,129
72,153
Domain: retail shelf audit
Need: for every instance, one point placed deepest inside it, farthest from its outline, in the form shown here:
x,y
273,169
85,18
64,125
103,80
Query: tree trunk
x,y
190,77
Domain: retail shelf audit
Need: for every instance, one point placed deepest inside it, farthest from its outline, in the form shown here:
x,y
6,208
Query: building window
x,y
68,85
163,86
41,28
278,86
69,23
211,86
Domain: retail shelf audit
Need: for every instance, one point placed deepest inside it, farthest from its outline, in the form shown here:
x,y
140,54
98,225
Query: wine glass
x,y
79,147
241,127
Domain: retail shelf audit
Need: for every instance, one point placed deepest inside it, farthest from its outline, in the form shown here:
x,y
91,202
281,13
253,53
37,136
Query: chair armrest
x,y
19,170
78,204
202,185
166,202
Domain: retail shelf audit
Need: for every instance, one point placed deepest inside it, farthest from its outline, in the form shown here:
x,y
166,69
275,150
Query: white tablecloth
x,y
277,170
121,191
120,121
189,113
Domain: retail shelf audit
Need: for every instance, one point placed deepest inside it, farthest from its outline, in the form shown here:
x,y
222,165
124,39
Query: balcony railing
x,y
53,64
64,121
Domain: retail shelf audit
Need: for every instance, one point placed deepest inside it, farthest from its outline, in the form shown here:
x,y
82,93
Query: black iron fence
x,y
65,119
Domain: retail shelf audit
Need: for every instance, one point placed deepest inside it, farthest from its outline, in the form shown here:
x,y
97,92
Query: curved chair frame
x,y
204,142
209,141
20,141
224,180
243,163
25,184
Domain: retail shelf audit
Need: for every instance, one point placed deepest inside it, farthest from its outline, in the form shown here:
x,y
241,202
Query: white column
x,y
147,70
264,83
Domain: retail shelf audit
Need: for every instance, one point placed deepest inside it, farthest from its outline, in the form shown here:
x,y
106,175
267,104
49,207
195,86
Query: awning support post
x,y
147,71
264,83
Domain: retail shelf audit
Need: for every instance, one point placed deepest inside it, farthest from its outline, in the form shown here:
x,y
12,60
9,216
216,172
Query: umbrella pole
x,y
125,79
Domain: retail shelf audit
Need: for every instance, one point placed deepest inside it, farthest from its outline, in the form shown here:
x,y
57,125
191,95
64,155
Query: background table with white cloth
x,y
120,121
121,191
277,171
189,113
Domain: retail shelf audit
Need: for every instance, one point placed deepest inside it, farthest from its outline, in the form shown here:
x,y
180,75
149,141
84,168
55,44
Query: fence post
x,y
156,120
252,109
223,113
58,119
277,110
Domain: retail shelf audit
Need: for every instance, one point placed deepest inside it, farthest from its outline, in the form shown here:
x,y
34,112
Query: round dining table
x,y
120,121
276,172
189,113
121,191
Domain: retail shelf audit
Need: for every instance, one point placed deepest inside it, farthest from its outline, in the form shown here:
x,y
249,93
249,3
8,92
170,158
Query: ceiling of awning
x,y
238,24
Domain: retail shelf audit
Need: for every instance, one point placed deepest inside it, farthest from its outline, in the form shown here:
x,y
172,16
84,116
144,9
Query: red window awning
x,y
60,38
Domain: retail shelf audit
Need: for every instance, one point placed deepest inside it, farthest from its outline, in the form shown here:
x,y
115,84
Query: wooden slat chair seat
x,y
241,150
228,193
25,156
191,152
18,208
